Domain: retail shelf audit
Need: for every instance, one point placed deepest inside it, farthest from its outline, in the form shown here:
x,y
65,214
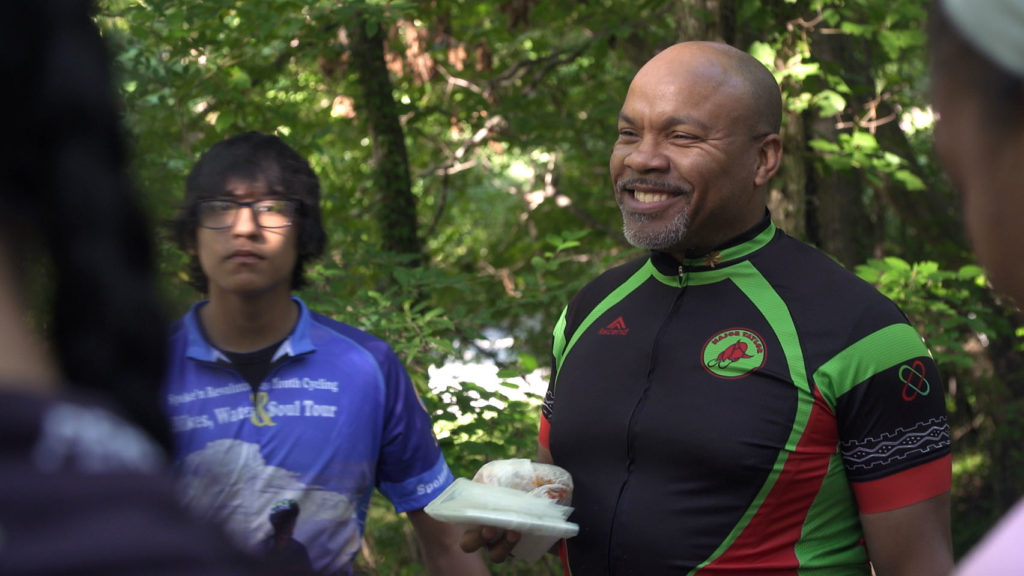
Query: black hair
x,y
66,199
998,89
257,157
283,513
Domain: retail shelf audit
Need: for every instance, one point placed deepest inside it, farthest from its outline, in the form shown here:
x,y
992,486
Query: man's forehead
x,y
681,99
681,75
691,94
242,186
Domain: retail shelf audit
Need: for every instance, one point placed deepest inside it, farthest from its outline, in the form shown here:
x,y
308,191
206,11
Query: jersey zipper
x,y
638,410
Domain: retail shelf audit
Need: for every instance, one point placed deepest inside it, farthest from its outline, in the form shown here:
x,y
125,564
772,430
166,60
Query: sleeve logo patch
x,y
733,353
914,381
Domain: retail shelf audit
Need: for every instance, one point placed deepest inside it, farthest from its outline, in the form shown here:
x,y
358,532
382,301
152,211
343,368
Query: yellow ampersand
x,y
259,415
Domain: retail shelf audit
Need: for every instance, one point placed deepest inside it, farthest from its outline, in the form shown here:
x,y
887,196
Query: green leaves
x,y
943,304
860,150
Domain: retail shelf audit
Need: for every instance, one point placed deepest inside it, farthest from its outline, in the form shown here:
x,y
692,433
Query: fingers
x,y
498,542
472,540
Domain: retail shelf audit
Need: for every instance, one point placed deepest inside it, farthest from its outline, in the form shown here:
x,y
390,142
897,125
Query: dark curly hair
x,y
69,213
256,157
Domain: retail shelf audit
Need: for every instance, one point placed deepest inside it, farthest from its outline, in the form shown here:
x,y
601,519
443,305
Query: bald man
x,y
733,401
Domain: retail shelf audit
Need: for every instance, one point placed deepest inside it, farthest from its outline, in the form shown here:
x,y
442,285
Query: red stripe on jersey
x,y
543,436
767,543
563,553
905,488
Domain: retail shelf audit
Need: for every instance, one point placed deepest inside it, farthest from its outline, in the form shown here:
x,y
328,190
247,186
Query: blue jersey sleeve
x,y
411,470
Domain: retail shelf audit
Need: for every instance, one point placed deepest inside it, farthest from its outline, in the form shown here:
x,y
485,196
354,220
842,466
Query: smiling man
x,y
757,409
272,402
691,161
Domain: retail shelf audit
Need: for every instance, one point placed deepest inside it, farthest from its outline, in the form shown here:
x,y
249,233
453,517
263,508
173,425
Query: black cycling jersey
x,y
735,413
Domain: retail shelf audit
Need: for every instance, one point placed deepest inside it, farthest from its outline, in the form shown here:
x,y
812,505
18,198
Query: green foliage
x,y
425,313
943,304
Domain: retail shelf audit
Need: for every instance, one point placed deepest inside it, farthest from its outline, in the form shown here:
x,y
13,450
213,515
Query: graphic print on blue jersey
x,y
733,353
232,482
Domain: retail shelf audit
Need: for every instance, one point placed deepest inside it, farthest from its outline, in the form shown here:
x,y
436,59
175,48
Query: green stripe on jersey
x,y
804,404
832,519
760,293
740,251
625,289
868,356
558,346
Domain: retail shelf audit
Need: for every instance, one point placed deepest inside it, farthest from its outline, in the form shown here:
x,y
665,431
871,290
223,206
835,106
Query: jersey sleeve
x,y
411,470
888,401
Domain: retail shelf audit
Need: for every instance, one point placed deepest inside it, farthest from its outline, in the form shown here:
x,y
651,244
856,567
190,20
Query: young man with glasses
x,y
269,400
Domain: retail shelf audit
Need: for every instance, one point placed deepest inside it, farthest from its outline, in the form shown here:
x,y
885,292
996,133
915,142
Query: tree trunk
x,y
933,227
705,20
396,212
837,218
787,194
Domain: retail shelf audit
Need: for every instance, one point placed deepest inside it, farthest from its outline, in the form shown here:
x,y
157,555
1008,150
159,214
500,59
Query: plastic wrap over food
x,y
535,478
515,495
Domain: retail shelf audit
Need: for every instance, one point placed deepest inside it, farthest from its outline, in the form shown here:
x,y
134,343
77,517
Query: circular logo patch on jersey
x,y
733,353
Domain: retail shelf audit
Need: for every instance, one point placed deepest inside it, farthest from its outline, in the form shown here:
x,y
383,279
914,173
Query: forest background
x,y
463,144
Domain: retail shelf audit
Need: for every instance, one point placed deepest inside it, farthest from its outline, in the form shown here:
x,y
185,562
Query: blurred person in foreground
x,y
734,401
84,487
272,401
977,69
282,551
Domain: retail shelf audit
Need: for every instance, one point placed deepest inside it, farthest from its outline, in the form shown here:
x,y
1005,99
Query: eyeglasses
x,y
221,214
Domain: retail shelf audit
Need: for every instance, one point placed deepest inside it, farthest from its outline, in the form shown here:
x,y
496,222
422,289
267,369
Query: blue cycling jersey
x,y
336,416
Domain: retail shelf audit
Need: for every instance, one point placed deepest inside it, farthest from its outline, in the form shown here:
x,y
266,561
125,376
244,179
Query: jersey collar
x,y
198,348
731,252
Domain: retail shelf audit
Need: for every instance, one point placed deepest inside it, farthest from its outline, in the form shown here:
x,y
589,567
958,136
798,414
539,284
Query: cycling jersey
x,y
735,413
336,416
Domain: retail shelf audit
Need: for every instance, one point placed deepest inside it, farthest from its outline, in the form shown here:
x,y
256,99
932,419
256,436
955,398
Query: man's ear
x,y
769,158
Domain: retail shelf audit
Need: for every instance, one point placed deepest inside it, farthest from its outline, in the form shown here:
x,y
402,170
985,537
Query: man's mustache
x,y
649,184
